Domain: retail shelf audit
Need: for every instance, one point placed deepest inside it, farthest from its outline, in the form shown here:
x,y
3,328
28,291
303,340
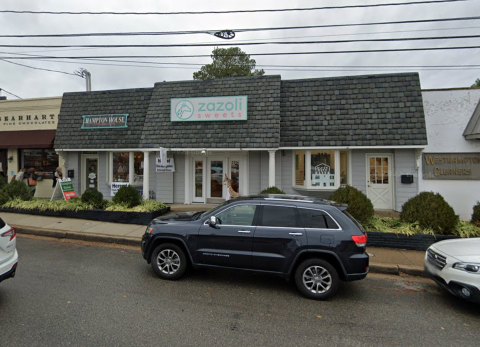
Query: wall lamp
x,y
10,158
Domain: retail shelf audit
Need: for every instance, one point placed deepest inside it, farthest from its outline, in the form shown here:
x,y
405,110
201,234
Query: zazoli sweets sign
x,y
222,108
106,121
451,166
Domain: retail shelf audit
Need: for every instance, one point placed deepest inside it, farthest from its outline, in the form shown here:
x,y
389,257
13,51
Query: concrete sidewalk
x,y
382,260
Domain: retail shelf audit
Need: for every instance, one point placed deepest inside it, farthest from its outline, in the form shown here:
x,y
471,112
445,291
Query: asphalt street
x,y
69,293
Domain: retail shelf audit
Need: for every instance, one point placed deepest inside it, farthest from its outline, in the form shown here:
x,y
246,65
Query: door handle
x,y
244,231
296,234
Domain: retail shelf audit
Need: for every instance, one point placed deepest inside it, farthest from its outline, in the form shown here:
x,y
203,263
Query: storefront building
x,y
27,133
450,163
305,137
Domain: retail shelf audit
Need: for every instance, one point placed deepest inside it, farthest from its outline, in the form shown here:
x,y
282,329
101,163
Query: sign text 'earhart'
x,y
221,108
107,121
451,166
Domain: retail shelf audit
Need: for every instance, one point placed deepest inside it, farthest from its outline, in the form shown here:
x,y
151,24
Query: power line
x,y
6,91
36,68
233,11
244,30
250,43
251,54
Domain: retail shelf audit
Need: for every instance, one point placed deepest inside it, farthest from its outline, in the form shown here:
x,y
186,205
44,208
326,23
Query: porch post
x,y
271,168
146,175
131,167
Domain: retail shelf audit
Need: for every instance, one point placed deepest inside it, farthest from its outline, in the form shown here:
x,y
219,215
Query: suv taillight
x,y
10,233
360,241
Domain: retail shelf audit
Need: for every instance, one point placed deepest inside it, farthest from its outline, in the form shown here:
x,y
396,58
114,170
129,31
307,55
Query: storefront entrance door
x,y
90,172
379,180
3,164
216,177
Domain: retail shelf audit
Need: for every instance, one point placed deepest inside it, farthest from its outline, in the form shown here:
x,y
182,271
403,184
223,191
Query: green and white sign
x,y
221,108
105,121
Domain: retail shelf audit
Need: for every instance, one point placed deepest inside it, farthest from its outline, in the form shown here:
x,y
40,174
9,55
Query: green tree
x,y
477,83
228,62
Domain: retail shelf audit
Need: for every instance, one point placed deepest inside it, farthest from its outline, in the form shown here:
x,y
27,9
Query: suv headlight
x,y
468,267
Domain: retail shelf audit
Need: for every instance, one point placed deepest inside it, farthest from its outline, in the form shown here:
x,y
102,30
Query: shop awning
x,y
472,131
27,139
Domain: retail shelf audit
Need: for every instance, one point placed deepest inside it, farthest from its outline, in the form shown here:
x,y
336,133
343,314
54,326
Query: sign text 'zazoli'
x,y
107,121
221,108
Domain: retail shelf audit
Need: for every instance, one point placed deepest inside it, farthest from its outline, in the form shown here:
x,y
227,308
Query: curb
x,y
59,234
397,269
130,241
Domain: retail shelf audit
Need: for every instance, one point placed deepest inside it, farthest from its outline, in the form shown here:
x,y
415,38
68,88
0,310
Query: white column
x,y
271,168
308,169
337,169
146,175
131,167
189,178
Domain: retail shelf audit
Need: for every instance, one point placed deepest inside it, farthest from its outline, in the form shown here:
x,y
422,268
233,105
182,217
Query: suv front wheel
x,y
317,279
169,261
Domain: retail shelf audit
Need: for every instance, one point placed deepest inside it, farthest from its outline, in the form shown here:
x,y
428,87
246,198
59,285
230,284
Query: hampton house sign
x,y
451,166
220,108
105,121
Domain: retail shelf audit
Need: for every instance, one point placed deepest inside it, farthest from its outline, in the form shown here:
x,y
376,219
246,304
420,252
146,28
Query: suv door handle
x,y
244,231
296,234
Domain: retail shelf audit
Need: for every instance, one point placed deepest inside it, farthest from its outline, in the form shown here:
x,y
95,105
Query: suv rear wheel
x,y
317,279
169,261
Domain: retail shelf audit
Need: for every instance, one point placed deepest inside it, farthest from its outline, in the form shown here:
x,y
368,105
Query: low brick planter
x,y
414,242
143,218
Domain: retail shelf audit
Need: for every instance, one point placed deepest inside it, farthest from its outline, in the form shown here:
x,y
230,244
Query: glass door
x,y
198,180
235,173
91,165
217,175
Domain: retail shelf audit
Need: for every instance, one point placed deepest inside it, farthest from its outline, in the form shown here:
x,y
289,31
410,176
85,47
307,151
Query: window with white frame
x,y
120,167
320,168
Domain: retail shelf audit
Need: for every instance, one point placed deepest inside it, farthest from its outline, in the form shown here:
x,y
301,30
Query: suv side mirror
x,y
213,221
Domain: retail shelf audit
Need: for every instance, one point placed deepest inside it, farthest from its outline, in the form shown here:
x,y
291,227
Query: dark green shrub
x,y
2,183
359,206
430,211
3,197
93,197
476,214
272,190
16,190
128,196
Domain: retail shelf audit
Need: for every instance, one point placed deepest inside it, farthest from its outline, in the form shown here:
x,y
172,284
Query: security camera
x,y
204,151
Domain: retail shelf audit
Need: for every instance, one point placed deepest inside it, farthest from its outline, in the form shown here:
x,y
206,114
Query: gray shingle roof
x,y
374,110
74,105
261,130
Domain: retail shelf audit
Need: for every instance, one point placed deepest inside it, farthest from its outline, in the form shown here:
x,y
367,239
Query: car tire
x,y
317,279
169,261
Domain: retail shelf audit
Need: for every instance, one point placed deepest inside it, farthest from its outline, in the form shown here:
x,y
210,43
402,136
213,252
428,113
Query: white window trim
x,y
308,164
109,164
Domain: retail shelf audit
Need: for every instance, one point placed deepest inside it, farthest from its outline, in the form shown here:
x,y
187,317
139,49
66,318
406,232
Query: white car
x,y
455,266
8,251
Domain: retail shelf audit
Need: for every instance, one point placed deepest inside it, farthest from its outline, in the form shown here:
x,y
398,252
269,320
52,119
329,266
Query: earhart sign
x,y
222,108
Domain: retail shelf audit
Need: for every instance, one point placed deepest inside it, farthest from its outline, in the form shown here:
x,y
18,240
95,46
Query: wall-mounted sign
x,y
168,167
106,121
29,114
221,108
116,186
451,166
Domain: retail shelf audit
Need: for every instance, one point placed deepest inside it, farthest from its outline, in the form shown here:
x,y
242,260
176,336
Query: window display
x,y
138,167
120,166
45,161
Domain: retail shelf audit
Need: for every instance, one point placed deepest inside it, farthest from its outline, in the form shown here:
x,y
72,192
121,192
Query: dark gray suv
x,y
314,241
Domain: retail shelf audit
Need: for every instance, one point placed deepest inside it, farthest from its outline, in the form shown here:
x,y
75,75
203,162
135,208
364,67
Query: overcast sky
x,y
30,83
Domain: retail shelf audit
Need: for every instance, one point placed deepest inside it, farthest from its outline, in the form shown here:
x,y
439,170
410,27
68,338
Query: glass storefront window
x,y
327,168
299,168
138,167
120,166
43,160
322,168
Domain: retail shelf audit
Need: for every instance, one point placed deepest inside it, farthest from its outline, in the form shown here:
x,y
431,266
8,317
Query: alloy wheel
x,y
168,261
317,279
